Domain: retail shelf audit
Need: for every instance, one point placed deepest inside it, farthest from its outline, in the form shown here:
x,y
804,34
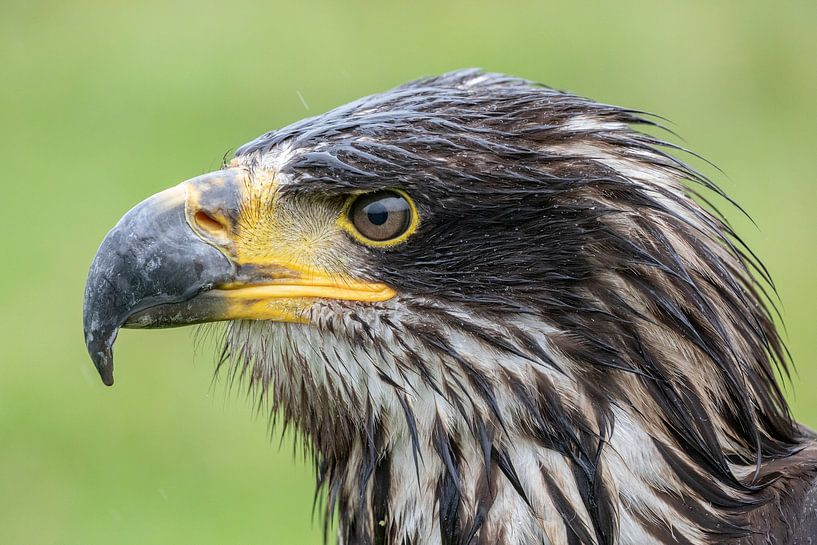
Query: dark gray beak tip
x,y
101,351
105,367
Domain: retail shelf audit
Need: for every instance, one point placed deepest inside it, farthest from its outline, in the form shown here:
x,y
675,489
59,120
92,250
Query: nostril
x,y
209,224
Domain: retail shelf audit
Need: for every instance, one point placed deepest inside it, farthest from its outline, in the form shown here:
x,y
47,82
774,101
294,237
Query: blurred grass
x,y
104,103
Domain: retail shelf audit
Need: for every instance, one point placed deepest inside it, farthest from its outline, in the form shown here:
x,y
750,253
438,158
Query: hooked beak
x,y
170,261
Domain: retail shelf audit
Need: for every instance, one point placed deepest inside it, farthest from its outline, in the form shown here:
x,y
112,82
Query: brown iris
x,y
381,216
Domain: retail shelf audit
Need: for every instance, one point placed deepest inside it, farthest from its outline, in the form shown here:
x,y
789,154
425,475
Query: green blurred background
x,y
104,103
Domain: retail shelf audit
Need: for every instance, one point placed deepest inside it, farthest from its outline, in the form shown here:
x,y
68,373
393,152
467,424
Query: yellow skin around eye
x,y
346,224
293,249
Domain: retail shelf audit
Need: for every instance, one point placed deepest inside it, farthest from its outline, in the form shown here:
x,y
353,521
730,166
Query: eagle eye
x,y
381,218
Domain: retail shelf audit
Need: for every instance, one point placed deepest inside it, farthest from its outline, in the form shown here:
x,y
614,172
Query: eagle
x,y
497,314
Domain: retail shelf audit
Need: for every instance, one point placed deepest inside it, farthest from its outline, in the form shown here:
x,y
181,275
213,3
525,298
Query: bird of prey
x,y
497,315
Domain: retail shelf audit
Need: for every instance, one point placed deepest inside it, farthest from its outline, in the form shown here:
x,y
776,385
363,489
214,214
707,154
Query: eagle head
x,y
493,310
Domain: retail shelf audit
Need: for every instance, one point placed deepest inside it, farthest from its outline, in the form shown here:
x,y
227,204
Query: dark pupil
x,y
377,213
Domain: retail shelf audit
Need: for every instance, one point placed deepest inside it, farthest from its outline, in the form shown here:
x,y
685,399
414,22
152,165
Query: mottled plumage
x,y
578,352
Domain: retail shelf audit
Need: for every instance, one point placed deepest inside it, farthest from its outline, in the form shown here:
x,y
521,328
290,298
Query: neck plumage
x,y
454,430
